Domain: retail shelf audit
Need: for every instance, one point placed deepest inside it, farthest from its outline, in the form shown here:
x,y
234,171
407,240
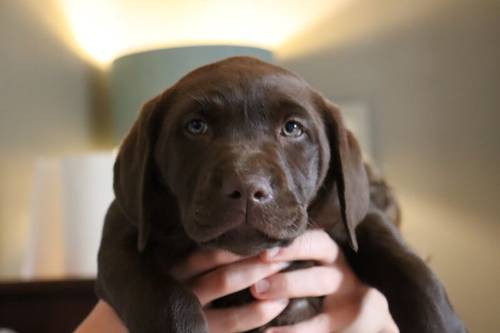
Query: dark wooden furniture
x,y
45,306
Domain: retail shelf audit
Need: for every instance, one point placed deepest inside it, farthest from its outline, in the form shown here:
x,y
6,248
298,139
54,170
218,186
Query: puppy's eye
x,y
292,128
197,127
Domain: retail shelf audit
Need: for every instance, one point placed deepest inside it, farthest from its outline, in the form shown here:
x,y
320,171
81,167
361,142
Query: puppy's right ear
x,y
345,190
134,169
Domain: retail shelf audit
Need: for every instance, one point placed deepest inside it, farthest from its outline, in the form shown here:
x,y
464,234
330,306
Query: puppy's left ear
x,y
136,186
345,190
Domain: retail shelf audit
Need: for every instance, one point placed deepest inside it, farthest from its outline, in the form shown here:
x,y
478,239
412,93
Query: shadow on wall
x,y
50,103
429,72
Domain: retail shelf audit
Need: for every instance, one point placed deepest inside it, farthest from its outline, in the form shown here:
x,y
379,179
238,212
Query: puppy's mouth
x,y
245,241
248,237
245,231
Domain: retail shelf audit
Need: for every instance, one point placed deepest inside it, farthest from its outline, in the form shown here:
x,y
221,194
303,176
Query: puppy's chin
x,y
245,241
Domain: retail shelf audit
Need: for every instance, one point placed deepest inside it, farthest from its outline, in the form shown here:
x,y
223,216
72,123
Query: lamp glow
x,y
106,29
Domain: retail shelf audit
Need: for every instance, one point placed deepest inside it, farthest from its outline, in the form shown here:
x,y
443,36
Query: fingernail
x,y
271,253
262,286
280,265
283,301
272,330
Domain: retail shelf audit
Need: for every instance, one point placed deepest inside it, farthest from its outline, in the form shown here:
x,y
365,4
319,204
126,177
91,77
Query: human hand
x,y
349,306
211,274
102,319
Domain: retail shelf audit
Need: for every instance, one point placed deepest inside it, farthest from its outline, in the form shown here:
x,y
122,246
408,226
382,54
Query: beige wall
x,y
430,73
46,98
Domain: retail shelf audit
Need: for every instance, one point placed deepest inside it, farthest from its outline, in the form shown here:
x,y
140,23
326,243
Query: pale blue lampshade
x,y
136,78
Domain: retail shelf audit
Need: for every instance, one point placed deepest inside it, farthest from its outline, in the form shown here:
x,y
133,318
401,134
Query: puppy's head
x,y
248,152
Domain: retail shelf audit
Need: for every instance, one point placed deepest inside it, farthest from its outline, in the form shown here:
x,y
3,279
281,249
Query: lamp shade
x,y
136,78
69,202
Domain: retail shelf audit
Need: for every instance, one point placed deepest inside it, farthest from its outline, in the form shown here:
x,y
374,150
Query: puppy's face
x,y
244,152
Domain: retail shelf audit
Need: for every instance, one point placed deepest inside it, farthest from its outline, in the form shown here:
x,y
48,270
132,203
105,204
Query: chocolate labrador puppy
x,y
243,155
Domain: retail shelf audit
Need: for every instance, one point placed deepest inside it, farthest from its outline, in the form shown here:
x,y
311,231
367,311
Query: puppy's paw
x,y
185,316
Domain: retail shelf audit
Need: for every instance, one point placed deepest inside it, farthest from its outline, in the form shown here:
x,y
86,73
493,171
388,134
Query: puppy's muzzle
x,y
246,192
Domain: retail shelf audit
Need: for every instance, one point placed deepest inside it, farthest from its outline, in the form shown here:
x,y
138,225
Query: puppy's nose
x,y
259,190
256,189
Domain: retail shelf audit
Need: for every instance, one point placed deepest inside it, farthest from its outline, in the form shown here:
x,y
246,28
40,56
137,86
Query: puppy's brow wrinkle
x,y
207,102
289,104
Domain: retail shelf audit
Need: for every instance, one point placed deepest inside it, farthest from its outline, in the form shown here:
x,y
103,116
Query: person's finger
x,y
312,245
373,315
244,318
202,261
327,280
337,279
391,327
232,278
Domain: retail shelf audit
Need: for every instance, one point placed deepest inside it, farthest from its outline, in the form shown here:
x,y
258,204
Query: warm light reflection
x,y
95,26
106,29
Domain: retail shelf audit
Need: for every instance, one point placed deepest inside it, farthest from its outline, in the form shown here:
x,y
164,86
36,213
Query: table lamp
x,y
136,78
